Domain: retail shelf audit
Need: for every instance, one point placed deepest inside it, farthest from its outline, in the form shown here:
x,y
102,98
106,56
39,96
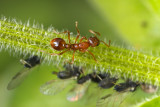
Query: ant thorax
x,y
74,46
83,45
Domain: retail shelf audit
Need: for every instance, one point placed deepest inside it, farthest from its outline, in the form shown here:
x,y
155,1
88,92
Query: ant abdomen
x,y
58,44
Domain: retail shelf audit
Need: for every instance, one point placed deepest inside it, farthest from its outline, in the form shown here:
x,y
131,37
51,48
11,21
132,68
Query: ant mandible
x,y
59,43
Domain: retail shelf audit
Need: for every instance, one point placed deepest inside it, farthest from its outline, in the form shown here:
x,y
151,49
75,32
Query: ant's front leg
x,y
82,39
92,55
108,45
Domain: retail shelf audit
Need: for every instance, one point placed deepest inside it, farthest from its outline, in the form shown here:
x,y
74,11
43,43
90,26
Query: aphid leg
x,y
92,55
82,72
82,39
77,31
116,83
108,45
93,32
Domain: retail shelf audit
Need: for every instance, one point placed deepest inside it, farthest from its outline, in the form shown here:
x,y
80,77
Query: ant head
x,y
93,41
58,44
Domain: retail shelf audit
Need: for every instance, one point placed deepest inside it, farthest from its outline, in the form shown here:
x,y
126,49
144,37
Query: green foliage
x,y
136,20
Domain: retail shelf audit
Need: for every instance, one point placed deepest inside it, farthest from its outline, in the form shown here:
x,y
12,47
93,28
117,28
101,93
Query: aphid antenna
x,y
25,62
99,77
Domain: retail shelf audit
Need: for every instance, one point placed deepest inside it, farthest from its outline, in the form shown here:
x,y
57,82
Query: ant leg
x,y
92,55
59,53
77,32
72,57
55,53
108,45
82,39
69,37
93,32
65,32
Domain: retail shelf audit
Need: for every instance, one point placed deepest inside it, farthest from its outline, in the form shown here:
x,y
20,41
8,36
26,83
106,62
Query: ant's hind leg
x,y
108,45
55,53
59,53
64,32
77,31
93,32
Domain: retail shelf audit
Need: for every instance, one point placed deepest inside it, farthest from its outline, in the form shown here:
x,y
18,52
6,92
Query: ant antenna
x,y
93,32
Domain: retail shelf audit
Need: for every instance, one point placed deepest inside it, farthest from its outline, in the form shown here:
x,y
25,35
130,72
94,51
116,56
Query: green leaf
x,y
136,20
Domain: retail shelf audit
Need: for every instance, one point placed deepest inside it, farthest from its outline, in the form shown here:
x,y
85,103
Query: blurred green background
x,y
125,22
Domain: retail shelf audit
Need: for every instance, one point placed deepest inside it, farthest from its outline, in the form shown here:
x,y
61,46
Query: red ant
x,y
59,43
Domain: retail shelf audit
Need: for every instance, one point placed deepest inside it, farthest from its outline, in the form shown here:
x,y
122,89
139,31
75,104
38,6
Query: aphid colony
x,y
104,81
73,74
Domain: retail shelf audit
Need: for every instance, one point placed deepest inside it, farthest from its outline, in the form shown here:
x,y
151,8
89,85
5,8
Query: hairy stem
x,y
25,39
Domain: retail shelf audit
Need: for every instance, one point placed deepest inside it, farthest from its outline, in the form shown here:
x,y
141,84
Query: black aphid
x,y
128,85
70,72
20,76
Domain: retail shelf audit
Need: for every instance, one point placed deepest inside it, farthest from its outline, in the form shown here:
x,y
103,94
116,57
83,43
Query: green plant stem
x,y
24,39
